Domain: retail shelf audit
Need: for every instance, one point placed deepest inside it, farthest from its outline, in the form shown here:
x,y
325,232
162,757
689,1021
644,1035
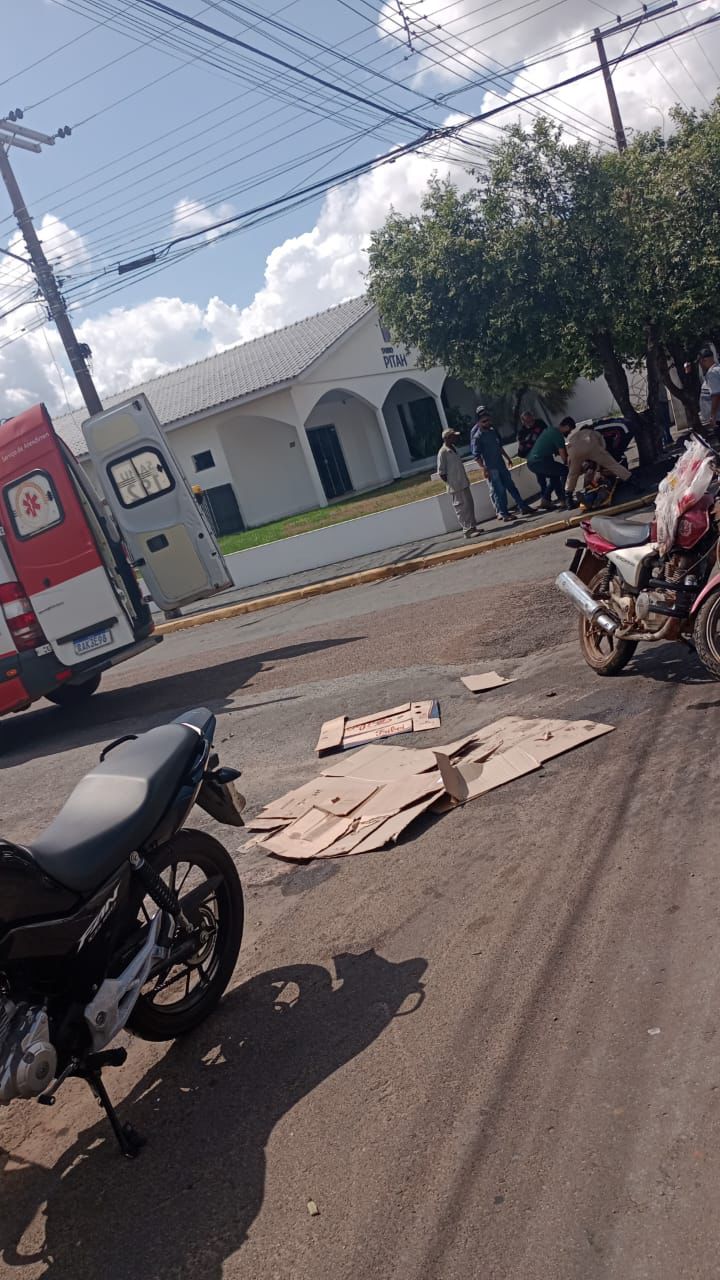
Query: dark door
x,y
222,508
421,423
330,462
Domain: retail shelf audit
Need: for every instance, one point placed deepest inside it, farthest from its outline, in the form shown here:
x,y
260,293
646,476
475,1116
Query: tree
x,y
563,258
521,275
671,196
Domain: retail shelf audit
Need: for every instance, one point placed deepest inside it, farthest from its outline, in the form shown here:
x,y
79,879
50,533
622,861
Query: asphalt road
x,y
491,1052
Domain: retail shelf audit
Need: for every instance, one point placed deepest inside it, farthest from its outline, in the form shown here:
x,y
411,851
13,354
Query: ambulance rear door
x,y
164,528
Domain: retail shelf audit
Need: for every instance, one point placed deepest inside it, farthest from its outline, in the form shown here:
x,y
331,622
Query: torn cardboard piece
x,y
484,681
544,739
329,794
412,717
367,800
381,764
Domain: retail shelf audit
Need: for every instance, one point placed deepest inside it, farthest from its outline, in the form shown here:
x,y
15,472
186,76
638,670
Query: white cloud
x,y
325,264
192,215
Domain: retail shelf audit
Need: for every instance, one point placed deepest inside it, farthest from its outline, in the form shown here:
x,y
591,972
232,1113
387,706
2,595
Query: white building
x,y
302,416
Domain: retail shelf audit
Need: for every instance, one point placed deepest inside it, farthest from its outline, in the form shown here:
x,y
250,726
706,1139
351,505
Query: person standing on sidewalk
x,y
584,444
710,390
487,450
451,469
529,432
548,461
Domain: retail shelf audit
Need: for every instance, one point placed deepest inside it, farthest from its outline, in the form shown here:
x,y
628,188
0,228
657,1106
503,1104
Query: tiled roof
x,y
250,367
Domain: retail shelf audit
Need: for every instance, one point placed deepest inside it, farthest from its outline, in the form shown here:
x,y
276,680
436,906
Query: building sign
x,y
393,358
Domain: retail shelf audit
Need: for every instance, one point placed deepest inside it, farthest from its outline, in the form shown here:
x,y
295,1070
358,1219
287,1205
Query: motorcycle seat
x,y
621,533
115,808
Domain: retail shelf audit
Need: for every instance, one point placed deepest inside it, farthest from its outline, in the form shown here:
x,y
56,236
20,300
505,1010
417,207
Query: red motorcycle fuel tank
x,y
694,523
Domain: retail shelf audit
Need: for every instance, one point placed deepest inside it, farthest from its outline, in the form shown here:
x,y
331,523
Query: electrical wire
x,y
454,130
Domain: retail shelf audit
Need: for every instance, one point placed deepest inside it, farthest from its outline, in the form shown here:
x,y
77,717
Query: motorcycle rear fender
x,y
712,585
586,565
221,800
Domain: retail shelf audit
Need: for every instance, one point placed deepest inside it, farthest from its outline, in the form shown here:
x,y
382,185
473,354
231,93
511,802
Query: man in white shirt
x,y
710,390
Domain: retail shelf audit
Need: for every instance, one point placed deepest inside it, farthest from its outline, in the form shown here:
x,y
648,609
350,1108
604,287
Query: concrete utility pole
x,y
15,135
598,38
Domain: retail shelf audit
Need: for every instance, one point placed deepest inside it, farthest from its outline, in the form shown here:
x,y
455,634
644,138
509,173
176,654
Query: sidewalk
x,y
394,555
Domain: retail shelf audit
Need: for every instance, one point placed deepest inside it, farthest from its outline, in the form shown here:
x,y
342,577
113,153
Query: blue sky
x,y
166,140
184,93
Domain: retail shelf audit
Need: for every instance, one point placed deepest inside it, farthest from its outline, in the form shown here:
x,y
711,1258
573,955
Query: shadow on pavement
x,y
669,664
208,1109
49,730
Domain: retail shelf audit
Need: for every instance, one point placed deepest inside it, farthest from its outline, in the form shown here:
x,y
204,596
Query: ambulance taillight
x,y
20,616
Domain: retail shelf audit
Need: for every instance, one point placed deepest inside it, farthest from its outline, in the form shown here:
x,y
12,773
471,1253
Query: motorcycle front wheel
x,y
602,652
706,634
181,996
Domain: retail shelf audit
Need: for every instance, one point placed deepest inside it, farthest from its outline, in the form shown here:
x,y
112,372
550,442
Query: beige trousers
x,y
587,446
462,501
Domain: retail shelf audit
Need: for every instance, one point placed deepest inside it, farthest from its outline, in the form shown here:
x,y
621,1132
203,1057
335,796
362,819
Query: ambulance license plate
x,y
97,640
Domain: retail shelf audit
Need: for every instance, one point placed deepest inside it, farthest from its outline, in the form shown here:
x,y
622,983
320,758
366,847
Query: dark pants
x,y
554,474
501,484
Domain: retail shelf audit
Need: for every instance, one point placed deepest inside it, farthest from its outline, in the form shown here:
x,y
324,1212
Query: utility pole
x,y
14,135
598,38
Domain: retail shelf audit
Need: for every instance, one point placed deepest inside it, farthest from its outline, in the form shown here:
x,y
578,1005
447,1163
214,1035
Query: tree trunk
x,y
684,386
657,406
616,378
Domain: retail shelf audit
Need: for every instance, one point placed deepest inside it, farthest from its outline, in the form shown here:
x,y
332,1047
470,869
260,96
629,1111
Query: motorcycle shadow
x,y
669,664
207,1108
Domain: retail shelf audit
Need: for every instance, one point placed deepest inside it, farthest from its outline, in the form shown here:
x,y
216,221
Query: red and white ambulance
x,y
70,603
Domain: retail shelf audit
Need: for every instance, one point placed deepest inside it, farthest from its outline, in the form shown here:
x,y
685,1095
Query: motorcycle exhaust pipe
x,y
575,590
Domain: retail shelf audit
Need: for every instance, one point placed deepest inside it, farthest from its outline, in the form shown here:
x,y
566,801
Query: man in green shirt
x,y
548,467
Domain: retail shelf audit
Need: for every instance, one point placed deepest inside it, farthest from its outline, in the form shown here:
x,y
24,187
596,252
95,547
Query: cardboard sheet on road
x,y
412,717
485,681
365,802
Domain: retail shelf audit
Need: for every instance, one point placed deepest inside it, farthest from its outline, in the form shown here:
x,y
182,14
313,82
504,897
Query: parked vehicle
x,y
116,917
70,601
634,582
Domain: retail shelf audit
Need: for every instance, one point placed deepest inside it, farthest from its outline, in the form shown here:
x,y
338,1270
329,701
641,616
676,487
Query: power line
x,y
280,62
59,234
454,130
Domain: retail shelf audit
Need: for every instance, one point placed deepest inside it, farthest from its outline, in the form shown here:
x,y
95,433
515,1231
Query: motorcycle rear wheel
x,y
706,634
199,981
602,652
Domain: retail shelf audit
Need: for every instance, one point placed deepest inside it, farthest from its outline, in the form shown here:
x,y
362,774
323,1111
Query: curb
x,y
387,571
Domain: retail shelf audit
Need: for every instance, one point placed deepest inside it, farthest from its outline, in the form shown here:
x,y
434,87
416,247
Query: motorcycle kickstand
x,y
129,1140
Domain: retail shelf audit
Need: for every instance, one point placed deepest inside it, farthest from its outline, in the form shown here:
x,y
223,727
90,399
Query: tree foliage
x,y
564,262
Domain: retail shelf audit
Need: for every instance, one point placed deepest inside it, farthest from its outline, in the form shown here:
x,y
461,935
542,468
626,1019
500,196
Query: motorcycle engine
x,y
671,570
28,1061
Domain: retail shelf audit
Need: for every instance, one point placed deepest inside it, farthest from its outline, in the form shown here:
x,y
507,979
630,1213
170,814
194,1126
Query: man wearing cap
x,y
487,450
451,469
710,389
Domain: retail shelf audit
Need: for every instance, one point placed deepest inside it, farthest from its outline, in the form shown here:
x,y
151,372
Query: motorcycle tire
x,y
603,653
151,1020
706,634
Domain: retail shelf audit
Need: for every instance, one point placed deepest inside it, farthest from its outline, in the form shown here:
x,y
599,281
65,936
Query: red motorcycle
x,y
634,582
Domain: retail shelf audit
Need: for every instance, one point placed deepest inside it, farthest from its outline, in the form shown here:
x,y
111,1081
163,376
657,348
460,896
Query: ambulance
x,y
75,552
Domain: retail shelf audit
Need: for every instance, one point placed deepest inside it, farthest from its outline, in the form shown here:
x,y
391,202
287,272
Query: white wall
x,y
358,364
589,400
268,469
415,521
187,441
